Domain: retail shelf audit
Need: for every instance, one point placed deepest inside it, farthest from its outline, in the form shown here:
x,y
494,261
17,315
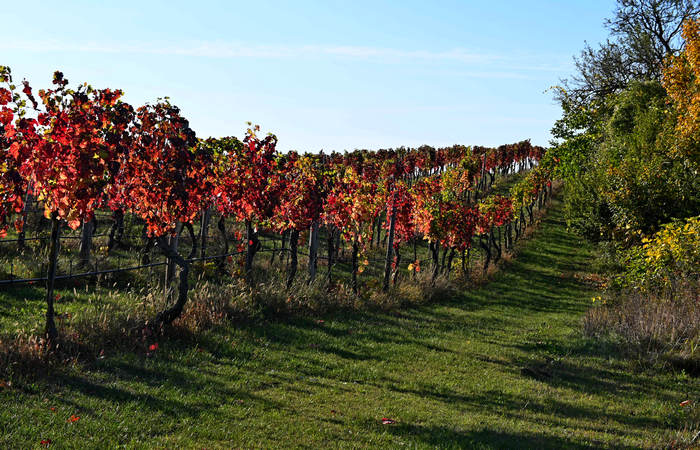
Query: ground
x,y
503,365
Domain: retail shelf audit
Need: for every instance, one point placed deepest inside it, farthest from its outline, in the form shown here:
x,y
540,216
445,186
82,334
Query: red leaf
x,y
153,347
685,403
387,421
73,418
46,442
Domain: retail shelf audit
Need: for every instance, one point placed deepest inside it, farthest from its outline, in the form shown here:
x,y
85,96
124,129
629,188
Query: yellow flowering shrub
x,y
669,256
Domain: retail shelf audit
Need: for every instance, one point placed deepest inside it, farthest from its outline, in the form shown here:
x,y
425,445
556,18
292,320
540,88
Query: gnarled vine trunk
x,y
204,233
167,316
355,251
313,251
86,242
116,231
51,333
389,248
487,251
252,247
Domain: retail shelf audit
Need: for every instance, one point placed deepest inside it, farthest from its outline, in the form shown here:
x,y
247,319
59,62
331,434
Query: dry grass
x,y
661,328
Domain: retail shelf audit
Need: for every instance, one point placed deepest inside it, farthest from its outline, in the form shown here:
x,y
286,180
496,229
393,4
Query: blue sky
x,y
321,75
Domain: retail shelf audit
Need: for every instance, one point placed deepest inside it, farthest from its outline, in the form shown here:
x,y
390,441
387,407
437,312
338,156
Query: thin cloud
x,y
225,50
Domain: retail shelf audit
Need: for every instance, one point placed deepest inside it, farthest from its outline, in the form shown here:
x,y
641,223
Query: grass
x,y
504,365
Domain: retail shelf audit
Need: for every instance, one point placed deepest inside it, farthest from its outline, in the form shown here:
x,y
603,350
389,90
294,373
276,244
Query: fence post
x,y
170,264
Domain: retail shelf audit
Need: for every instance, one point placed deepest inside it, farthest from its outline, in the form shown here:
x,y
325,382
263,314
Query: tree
x,y
15,131
247,187
643,34
168,179
300,202
682,82
72,153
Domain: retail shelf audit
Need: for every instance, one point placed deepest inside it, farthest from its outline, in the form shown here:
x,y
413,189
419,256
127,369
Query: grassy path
x,y
501,366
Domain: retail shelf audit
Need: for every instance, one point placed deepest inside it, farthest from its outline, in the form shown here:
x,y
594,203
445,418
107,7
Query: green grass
x,y
500,366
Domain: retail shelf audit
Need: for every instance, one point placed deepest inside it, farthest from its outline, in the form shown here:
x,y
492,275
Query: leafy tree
x,y
643,34
70,154
15,130
614,140
682,81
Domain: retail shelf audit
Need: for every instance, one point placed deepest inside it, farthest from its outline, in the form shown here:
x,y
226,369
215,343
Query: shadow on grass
x,y
297,354
446,437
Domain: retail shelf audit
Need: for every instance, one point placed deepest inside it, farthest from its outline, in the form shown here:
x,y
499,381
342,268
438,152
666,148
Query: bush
x,y
669,257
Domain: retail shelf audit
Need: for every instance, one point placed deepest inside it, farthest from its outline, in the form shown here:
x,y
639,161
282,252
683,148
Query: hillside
x,y
503,365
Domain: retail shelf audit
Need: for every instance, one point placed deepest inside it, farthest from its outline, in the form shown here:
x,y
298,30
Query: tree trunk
x,y
146,249
51,332
378,225
193,238
20,236
444,256
496,245
252,246
167,316
273,252
415,254
293,245
435,252
395,278
204,233
389,249
221,226
487,251
86,242
337,247
284,254
172,242
114,234
313,251
330,239
449,261
355,251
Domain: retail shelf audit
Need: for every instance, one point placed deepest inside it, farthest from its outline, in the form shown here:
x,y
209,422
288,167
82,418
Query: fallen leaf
x,y
685,403
387,421
46,442
73,418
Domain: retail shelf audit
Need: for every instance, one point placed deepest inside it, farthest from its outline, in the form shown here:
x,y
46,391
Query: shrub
x,y
670,256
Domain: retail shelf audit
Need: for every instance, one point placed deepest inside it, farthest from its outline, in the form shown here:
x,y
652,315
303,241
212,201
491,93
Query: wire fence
x,y
268,244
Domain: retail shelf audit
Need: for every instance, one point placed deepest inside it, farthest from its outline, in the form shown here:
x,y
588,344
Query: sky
x,y
331,75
